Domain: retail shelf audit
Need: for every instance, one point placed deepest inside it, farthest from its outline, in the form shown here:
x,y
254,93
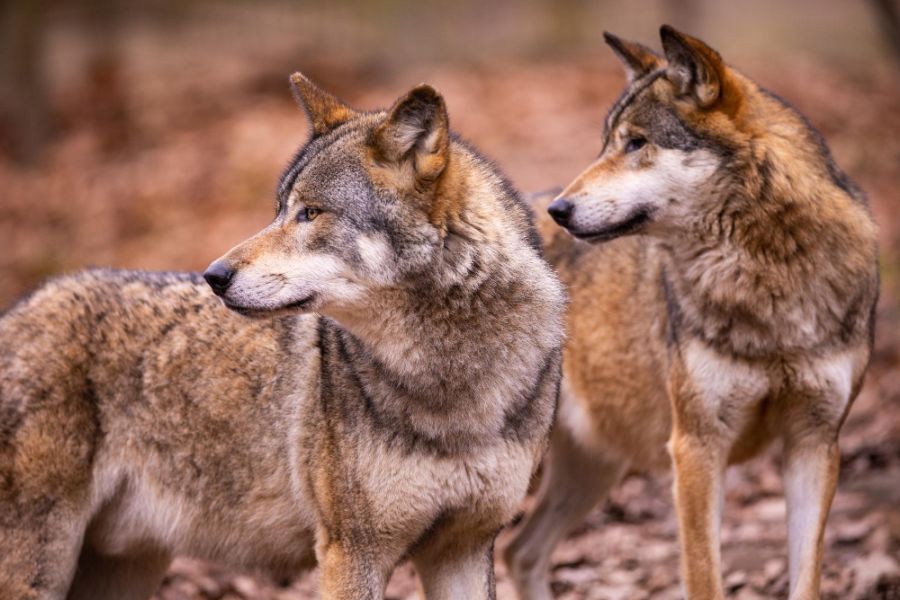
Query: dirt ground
x,y
196,174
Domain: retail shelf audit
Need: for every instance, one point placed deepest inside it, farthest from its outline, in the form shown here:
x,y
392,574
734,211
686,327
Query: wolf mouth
x,y
629,225
248,311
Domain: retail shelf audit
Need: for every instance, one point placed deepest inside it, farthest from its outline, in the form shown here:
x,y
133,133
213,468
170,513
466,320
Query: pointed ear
x,y
415,133
694,68
324,110
637,58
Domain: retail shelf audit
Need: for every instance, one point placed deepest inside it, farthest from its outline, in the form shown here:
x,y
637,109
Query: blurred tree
x,y
25,120
105,99
888,16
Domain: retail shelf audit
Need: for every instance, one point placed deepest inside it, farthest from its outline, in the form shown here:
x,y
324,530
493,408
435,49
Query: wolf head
x,y
356,209
666,138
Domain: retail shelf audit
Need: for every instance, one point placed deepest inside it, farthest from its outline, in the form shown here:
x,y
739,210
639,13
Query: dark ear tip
x,y
614,42
426,96
669,33
669,36
426,93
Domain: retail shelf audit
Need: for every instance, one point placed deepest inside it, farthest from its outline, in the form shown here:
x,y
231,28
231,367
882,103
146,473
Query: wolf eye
x,y
307,214
634,144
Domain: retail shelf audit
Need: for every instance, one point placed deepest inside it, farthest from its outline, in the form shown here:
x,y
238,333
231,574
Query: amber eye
x,y
307,214
634,144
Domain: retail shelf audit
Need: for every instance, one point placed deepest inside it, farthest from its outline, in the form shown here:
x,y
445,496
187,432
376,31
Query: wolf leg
x,y
812,422
810,481
38,550
454,563
350,572
811,465
43,516
699,477
574,480
101,577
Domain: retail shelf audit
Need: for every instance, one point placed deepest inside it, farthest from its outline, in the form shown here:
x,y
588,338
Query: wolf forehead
x,y
343,147
642,104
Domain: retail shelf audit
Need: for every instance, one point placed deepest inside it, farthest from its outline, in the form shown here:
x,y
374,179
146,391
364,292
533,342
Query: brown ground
x,y
195,174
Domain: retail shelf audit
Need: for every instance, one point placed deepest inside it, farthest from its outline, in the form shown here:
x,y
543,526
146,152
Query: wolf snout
x,y
561,210
219,275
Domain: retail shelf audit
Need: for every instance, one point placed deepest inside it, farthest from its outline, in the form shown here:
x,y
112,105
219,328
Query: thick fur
x,y
387,392
742,315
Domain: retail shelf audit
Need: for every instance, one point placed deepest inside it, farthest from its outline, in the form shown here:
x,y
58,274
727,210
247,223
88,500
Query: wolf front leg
x,y
824,390
699,477
456,560
349,571
714,399
810,479
464,575
812,461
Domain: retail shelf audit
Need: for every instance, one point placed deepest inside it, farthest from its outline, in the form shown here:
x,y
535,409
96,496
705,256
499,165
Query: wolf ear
x,y
324,110
415,133
694,68
637,58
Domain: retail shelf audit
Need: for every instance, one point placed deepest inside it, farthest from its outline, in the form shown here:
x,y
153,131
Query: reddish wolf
x,y
742,313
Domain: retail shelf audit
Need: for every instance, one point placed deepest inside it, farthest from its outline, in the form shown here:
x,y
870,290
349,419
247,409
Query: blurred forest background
x,y
150,134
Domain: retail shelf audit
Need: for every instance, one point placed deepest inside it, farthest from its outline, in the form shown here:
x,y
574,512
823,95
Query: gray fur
x,y
402,412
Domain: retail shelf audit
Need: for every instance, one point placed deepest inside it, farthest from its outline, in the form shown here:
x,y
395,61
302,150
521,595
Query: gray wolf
x,y
725,299
381,387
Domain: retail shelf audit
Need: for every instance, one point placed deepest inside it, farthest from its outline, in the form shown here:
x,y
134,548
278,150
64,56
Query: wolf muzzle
x,y
219,276
561,210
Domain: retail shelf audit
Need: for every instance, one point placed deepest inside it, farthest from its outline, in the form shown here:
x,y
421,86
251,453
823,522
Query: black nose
x,y
561,210
219,275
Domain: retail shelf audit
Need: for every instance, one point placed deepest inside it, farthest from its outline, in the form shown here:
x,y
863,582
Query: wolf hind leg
x,y
39,547
47,450
133,577
43,517
575,479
